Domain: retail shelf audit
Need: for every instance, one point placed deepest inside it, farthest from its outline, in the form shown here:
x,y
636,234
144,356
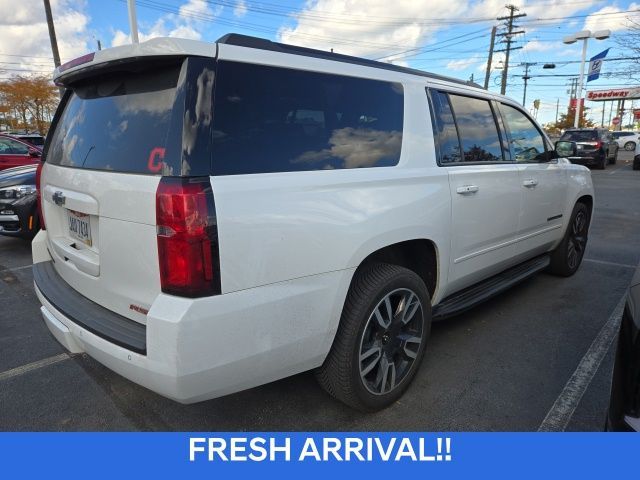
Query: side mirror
x,y
34,152
566,149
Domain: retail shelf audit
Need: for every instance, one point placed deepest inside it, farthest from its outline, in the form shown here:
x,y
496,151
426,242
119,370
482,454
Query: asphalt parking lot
x,y
499,367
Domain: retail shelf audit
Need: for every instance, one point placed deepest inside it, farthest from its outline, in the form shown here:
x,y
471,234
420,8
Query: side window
x,y
17,148
478,130
5,148
444,128
271,119
526,142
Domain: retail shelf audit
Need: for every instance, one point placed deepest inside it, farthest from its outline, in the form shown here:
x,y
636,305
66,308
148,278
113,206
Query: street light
x,y
583,35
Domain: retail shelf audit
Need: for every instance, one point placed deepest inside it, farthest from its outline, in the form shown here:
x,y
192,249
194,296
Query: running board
x,y
470,297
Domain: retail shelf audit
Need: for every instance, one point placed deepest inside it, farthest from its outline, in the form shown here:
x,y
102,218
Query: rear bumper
x,y
587,160
197,349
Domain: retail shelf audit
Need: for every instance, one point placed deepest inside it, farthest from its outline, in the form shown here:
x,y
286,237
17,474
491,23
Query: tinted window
x,y
269,119
119,123
39,141
525,140
11,147
478,130
444,129
579,136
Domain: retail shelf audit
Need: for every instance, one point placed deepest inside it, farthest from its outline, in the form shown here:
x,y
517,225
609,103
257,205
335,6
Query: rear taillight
x,y
187,237
39,195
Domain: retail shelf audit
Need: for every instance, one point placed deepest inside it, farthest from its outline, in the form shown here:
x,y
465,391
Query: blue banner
x,y
271,455
595,65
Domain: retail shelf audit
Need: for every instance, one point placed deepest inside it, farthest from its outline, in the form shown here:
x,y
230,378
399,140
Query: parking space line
x,y
565,405
15,269
14,372
613,264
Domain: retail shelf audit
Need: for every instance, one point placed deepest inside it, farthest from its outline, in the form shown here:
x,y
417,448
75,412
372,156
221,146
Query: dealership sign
x,y
614,94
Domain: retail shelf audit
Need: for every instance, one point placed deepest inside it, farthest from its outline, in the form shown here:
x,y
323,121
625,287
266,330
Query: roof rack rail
x,y
264,44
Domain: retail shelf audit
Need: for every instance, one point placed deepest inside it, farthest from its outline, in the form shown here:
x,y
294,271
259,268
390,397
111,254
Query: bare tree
x,y
629,42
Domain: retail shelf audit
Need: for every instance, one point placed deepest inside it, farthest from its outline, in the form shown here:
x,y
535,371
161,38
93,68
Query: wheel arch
x,y
587,200
419,255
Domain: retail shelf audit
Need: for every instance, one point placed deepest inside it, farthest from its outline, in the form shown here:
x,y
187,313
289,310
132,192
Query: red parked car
x,y
16,153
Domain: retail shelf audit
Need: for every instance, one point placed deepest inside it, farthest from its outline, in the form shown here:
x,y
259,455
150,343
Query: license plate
x,y
79,226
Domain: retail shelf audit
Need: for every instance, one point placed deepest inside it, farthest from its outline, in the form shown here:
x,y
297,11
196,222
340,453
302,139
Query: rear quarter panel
x,y
579,184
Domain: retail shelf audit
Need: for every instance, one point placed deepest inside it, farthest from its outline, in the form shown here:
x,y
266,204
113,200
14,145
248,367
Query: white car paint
x,y
634,137
289,242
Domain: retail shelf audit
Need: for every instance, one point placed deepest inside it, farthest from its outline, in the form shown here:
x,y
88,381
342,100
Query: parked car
x,y
627,139
636,158
200,242
16,153
596,146
31,138
18,205
624,407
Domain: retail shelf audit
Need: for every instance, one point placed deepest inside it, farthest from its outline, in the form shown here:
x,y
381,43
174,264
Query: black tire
x,y
341,374
630,146
567,257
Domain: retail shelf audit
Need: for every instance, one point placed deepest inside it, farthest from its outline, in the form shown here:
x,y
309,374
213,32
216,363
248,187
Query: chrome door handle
x,y
530,183
465,189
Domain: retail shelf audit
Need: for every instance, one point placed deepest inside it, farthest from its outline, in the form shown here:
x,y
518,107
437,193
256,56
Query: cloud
x,y
539,46
597,21
357,147
375,28
241,9
368,28
23,31
464,63
188,23
535,10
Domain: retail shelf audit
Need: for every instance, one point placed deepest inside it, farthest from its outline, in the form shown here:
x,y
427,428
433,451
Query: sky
x,y
448,37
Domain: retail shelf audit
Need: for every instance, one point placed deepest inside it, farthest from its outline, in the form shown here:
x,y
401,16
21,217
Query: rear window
x,y
119,123
269,119
579,136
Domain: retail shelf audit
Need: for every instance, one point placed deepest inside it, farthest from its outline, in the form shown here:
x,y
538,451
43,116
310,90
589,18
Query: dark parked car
x,y
17,153
624,408
595,146
18,202
32,138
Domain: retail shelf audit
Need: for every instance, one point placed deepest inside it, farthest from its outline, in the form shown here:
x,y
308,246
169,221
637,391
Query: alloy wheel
x,y
391,341
577,240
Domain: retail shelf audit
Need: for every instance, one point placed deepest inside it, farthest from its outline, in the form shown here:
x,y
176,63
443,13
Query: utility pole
x,y
508,39
487,75
52,38
133,21
526,78
557,109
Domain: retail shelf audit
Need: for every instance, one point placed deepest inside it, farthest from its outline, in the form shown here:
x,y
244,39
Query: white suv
x,y
627,139
219,216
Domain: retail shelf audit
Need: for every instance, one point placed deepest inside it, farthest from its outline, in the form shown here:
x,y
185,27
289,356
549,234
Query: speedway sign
x,y
614,94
